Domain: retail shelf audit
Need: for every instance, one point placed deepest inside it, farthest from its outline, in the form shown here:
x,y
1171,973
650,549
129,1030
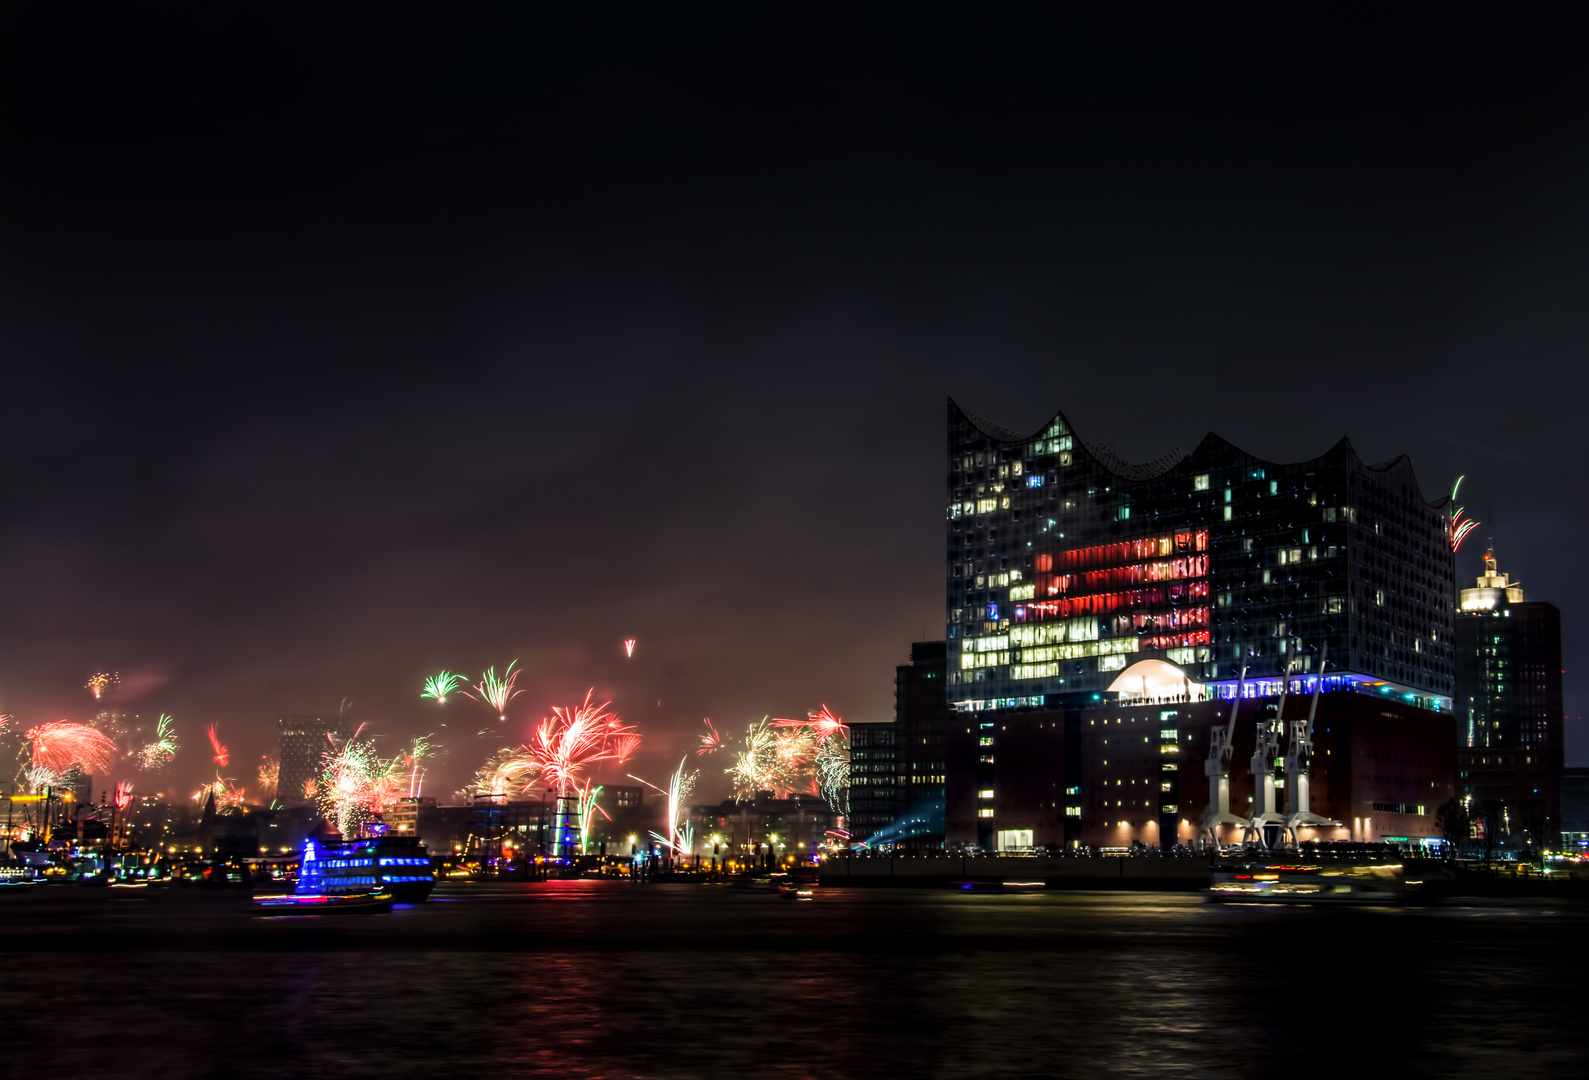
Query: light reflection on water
x,y
587,979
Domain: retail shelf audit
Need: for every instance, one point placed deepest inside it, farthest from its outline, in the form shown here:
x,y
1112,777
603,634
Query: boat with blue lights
x,y
399,865
367,874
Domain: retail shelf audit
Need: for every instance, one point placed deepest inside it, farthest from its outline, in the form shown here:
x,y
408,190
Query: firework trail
x,y
5,718
61,744
417,752
269,776
587,813
124,795
157,754
357,784
101,681
497,692
440,685
628,646
711,742
222,755
681,834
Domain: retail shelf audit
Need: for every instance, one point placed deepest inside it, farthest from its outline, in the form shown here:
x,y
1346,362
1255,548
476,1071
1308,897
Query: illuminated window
x,y
985,793
1073,811
985,811
1111,663
1200,483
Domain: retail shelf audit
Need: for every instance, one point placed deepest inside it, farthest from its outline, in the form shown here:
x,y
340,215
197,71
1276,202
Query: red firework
x,y
574,738
61,745
222,755
124,795
624,747
824,725
711,741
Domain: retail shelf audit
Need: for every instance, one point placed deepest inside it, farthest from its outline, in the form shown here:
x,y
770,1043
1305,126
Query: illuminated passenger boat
x,y
398,865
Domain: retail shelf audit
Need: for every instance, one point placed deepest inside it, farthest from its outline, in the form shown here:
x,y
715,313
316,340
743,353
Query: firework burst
x,y
566,744
783,756
506,772
711,742
269,776
357,784
438,686
101,681
573,739
497,692
628,646
155,755
624,747
229,798
124,795
61,744
222,755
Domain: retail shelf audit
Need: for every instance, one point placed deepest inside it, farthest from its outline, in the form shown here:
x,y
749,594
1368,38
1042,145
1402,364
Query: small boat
x,y
341,903
1311,883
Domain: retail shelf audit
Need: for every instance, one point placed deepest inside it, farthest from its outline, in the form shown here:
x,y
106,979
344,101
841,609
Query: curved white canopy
x,y
1154,679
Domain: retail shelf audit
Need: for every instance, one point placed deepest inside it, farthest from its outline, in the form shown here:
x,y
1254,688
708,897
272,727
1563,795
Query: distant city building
x,y
795,826
1575,807
921,715
404,816
302,742
1509,706
1074,579
873,783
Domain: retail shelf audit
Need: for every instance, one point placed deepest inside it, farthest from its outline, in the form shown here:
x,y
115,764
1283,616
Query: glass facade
x,y
1066,564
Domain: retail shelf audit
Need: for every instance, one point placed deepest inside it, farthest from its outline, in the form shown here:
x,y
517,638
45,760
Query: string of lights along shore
x,y
1205,653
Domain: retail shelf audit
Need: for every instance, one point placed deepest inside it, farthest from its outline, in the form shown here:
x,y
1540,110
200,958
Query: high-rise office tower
x,y
303,741
872,778
1083,590
1509,707
921,714
1065,564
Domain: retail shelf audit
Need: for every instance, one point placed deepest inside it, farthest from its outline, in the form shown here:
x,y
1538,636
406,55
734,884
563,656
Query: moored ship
x,y
399,865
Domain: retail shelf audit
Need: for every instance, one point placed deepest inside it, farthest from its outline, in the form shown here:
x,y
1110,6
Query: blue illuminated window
x,y
1034,481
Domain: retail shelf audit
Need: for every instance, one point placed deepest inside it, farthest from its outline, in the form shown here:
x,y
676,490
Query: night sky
x,y
343,347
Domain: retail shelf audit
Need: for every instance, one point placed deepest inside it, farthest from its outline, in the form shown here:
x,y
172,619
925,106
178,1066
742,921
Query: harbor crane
x,y
1217,767
1265,828
1299,763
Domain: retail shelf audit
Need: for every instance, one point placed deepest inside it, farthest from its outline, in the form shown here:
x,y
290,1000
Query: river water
x,y
609,979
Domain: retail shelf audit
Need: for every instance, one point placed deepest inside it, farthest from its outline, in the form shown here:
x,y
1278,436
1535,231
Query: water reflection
x,y
611,979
